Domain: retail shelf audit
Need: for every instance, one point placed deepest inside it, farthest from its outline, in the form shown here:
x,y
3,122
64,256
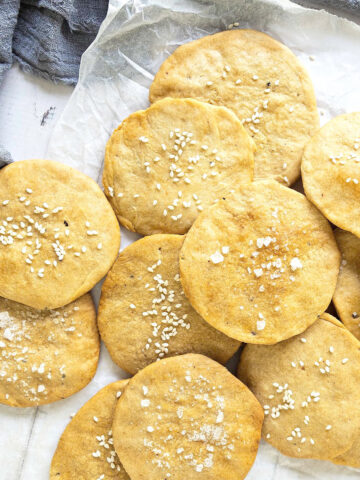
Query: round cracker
x,y
85,450
46,355
330,171
165,164
143,313
261,265
187,417
307,386
58,234
351,457
261,80
347,293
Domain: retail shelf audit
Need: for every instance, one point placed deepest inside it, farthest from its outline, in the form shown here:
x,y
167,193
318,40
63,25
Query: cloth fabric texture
x,y
5,157
347,8
48,37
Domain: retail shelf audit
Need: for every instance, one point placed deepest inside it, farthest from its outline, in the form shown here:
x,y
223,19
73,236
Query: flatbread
x,y
347,293
330,171
46,355
308,387
85,450
261,80
58,234
143,313
261,265
164,165
187,417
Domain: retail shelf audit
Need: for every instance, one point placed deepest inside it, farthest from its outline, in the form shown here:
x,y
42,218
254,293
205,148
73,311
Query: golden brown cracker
x,y
46,355
261,265
85,450
307,386
261,80
164,165
143,313
187,417
58,234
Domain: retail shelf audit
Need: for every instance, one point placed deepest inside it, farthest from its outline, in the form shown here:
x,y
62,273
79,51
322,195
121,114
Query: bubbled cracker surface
x,y
347,293
164,165
330,171
86,449
58,234
187,417
143,313
261,81
46,355
261,265
307,386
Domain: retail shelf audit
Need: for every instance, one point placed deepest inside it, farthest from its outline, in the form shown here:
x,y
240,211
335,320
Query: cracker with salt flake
x,y
330,171
164,165
58,234
143,313
187,417
46,355
261,264
347,293
308,386
258,78
85,449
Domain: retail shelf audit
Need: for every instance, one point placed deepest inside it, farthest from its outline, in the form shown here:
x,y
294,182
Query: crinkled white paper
x,y
116,72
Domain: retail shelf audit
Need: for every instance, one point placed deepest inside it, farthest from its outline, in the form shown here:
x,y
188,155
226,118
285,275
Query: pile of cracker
x,y
232,260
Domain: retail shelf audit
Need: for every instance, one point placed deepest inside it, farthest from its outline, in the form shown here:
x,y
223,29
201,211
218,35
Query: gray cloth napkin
x,y
5,157
48,37
346,8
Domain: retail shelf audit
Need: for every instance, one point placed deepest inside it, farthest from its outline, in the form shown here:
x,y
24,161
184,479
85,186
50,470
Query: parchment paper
x,y
115,75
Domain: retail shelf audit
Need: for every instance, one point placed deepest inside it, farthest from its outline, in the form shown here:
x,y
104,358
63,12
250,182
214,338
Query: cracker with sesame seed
x,y
143,313
46,355
58,234
187,417
164,165
261,265
307,386
85,450
330,171
261,80
347,293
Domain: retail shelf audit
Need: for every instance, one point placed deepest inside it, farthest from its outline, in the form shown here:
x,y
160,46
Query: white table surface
x,y
25,125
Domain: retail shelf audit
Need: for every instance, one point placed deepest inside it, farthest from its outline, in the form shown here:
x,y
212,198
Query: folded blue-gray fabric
x,y
48,37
